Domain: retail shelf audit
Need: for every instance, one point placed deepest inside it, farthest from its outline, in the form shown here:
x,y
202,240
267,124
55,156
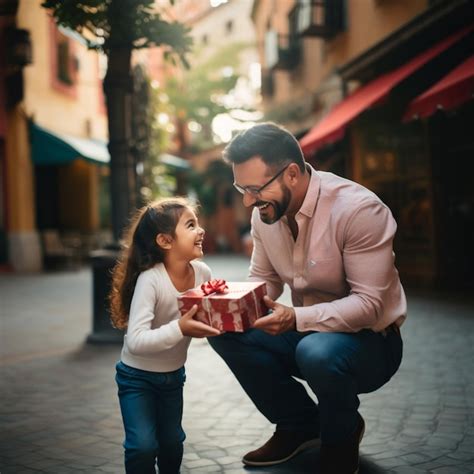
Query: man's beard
x,y
279,207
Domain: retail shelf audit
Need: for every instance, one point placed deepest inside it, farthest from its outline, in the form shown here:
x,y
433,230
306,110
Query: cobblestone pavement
x,y
59,410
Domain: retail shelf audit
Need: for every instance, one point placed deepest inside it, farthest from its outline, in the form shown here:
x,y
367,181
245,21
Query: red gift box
x,y
227,306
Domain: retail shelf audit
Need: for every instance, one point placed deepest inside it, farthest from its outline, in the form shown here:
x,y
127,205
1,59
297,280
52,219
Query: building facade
x,y
224,47
54,133
351,70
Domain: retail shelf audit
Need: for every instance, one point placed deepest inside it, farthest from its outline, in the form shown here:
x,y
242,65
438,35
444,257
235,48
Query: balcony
x,y
282,51
319,18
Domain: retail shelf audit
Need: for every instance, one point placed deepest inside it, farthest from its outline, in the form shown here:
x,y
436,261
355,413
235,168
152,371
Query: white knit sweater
x,y
154,341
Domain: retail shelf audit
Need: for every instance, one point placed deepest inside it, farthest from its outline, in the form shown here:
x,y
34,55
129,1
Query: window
x,y
64,63
283,51
321,18
229,27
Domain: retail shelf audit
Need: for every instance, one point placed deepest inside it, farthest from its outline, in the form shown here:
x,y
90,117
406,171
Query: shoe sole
x,y
312,443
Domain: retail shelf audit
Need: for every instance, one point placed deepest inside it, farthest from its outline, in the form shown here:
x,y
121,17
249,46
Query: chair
x,y
56,255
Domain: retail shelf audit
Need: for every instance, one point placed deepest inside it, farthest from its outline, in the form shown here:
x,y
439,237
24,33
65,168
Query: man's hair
x,y
275,145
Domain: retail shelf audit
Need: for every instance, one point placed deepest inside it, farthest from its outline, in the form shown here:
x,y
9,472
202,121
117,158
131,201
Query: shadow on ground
x,y
305,463
93,352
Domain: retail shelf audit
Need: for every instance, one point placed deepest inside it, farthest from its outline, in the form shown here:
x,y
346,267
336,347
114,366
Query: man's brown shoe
x,y
343,458
283,445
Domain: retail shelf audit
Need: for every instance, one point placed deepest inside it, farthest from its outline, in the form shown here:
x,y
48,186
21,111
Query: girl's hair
x,y
141,251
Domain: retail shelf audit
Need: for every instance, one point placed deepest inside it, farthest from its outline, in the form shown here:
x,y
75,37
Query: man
x,y
330,240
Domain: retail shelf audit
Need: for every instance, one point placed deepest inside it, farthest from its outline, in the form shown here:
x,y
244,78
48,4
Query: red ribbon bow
x,y
214,286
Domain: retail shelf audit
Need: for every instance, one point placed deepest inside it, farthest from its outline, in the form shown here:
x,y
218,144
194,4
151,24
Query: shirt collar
x,y
312,194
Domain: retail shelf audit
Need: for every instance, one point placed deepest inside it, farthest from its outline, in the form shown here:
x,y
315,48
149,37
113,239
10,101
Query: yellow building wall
x,y
81,114
368,22
50,108
19,174
24,251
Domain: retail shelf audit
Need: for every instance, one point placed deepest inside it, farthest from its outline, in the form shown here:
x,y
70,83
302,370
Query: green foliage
x,y
198,94
116,27
150,138
107,24
209,183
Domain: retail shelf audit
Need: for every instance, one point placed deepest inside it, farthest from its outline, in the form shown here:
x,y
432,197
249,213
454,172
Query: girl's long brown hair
x,y
141,252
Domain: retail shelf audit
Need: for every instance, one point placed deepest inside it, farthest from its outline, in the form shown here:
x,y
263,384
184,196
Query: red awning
x,y
332,127
450,92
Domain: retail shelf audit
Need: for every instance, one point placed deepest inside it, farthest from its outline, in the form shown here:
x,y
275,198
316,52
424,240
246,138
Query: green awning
x,y
174,161
51,148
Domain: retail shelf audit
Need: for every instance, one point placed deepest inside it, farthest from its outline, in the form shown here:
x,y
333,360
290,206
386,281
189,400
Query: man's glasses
x,y
255,191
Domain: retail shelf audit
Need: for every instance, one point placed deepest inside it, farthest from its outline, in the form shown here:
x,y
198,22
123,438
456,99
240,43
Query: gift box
x,y
227,306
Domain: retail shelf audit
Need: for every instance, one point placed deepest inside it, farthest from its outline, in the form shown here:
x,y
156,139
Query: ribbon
x,y
214,286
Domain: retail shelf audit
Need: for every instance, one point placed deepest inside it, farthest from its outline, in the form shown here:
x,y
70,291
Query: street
x,y
60,414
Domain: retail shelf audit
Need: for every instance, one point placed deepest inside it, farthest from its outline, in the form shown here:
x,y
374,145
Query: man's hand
x,y
281,320
192,328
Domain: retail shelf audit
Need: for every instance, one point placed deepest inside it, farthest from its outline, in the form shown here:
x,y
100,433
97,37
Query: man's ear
x,y
164,241
294,173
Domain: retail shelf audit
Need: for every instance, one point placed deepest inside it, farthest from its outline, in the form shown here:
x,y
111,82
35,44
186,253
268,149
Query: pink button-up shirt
x,y
341,267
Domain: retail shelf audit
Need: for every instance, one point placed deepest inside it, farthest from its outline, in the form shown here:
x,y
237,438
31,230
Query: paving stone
x,y
462,455
199,463
190,457
227,460
452,470
60,413
20,470
206,469
407,470
214,454
111,468
414,458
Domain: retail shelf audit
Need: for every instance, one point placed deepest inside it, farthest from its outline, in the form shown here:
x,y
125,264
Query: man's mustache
x,y
261,203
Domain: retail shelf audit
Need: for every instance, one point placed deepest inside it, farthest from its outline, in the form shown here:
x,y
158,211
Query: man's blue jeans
x,y
152,409
337,367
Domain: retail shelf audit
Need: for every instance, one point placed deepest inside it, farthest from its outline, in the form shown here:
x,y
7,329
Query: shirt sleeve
x,y
206,273
260,267
368,260
141,338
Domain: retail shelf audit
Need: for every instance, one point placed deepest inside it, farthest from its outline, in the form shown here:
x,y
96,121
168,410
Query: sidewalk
x,y
59,410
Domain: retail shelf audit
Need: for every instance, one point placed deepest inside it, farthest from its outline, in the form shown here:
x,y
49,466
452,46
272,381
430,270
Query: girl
x,y
156,265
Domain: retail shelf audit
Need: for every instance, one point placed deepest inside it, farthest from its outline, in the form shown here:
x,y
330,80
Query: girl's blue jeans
x,y
152,409
336,366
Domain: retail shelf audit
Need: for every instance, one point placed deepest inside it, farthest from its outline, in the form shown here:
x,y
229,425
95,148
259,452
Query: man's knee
x,y
321,356
310,353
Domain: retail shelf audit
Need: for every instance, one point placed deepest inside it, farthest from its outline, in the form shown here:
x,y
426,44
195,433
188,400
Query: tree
x,y
116,28
200,94
150,138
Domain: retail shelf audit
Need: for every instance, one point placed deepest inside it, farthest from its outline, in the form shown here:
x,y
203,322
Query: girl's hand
x,y
192,328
